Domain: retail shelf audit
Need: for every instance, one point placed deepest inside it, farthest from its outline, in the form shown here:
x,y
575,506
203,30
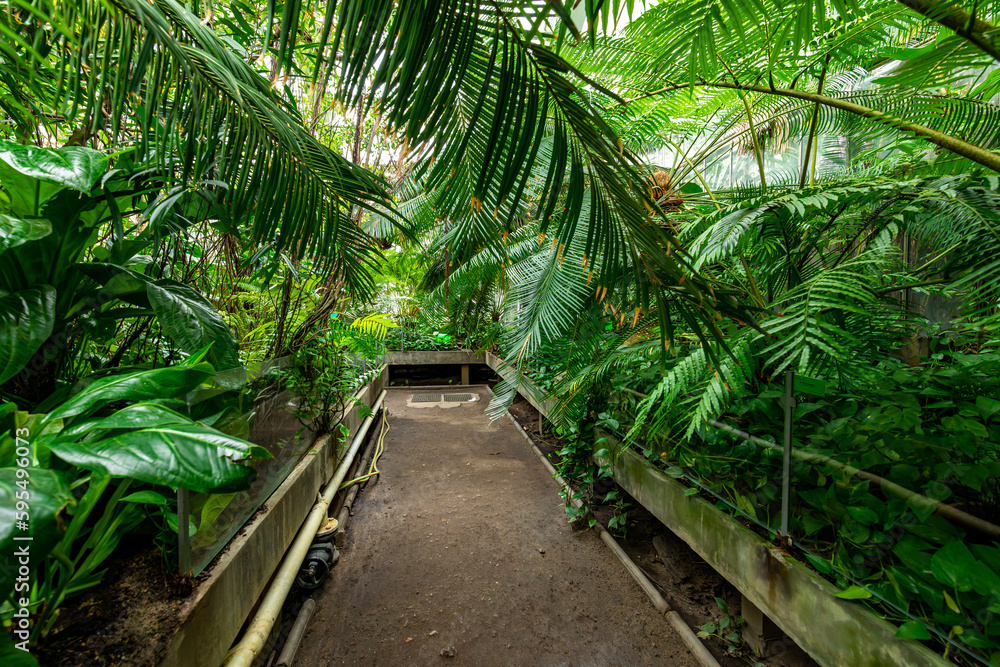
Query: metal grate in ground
x,y
459,398
426,398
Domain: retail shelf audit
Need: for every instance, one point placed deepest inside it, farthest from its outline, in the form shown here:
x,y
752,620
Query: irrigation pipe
x,y
373,468
949,512
685,632
244,653
345,510
298,631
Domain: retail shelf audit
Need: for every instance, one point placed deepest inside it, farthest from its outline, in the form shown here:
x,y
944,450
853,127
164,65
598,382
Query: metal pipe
x,y
183,536
788,403
298,631
244,653
949,512
687,635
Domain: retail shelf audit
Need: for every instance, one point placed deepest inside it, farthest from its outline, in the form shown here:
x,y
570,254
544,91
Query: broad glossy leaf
x,y
953,566
140,415
73,167
169,382
184,456
26,321
192,322
146,498
15,231
47,496
822,565
186,316
34,175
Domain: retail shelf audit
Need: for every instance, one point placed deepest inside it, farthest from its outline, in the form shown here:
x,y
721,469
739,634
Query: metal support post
x,y
788,402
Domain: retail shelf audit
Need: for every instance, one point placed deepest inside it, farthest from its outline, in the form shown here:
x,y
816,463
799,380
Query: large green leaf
x,y
169,382
15,231
953,565
47,496
192,322
12,656
26,321
33,175
140,415
186,316
185,456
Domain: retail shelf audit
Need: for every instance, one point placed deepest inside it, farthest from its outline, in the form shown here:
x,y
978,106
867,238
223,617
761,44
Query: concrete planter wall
x,y
463,358
213,616
532,393
434,357
831,630
834,632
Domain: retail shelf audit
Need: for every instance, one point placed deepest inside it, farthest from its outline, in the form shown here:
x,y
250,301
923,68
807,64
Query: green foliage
x,y
376,325
327,371
102,451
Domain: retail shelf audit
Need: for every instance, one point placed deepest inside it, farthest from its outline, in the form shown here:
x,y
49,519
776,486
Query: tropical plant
x,y
80,460
328,370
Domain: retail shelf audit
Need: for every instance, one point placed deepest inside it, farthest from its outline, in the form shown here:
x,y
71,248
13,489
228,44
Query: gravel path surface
x,y
461,554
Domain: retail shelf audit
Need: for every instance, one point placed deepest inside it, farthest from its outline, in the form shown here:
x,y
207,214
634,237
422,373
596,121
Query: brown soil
x,y
689,584
127,620
461,553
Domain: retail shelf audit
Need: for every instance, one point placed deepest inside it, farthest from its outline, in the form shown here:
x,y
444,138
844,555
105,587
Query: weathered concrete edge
x,y
433,357
213,616
834,632
546,406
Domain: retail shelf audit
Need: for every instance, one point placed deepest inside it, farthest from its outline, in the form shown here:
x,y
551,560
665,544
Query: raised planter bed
x,y
834,632
434,357
531,392
801,603
462,358
212,617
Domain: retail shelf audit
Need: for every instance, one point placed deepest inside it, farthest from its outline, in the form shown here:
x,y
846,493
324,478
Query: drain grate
x,y
458,398
426,398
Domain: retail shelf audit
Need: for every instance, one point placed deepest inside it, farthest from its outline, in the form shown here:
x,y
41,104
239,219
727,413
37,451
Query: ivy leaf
x,y
950,601
913,630
822,565
853,593
953,565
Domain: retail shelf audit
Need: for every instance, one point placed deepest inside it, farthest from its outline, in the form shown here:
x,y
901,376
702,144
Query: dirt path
x,y
462,543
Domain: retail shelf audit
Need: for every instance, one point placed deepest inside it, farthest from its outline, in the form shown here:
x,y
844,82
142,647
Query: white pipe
x,y
687,635
254,639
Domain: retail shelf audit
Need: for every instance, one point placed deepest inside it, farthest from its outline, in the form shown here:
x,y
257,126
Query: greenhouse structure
x,y
520,332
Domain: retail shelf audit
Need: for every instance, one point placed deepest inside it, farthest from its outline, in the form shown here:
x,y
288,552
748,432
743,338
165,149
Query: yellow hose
x,y
379,448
